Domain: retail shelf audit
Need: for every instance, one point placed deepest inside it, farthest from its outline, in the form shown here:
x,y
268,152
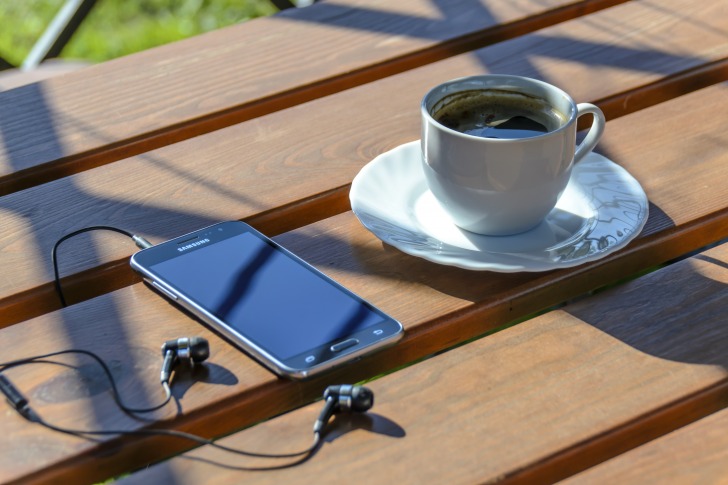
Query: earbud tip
x,y
362,399
199,349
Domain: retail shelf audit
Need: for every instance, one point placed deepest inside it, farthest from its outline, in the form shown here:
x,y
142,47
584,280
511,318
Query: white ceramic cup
x,y
499,187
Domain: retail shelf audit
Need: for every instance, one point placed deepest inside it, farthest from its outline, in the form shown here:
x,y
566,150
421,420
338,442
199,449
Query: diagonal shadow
x,y
44,120
141,217
597,54
134,367
79,254
159,162
519,57
393,23
454,14
682,304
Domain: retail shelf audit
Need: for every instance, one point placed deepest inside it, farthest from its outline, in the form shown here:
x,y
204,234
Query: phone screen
x,y
280,304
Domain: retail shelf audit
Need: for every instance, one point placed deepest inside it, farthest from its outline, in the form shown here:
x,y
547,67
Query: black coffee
x,y
497,114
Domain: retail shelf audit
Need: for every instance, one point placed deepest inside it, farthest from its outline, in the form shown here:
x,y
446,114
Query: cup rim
x,y
502,77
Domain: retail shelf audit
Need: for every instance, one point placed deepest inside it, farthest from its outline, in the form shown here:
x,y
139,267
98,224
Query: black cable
x,y
176,434
20,403
114,389
22,406
138,240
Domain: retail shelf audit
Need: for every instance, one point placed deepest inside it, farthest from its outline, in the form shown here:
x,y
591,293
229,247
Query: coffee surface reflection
x,y
497,114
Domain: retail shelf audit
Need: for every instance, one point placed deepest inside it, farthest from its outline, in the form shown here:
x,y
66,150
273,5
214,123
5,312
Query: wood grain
x,y
293,167
134,104
587,381
697,453
439,306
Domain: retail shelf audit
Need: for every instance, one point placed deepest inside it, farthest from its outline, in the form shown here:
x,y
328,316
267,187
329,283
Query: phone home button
x,y
344,345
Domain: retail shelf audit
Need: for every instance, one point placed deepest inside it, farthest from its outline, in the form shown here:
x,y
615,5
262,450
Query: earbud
x,y
191,350
343,398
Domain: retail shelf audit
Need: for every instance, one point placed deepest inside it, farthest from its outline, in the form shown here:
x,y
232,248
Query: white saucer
x,y
601,210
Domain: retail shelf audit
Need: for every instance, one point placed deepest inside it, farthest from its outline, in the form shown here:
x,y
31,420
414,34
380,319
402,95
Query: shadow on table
x,y
130,364
186,377
676,313
652,312
339,426
384,261
465,16
372,422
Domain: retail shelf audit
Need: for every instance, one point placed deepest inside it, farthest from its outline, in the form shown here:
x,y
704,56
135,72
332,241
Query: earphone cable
x,y
138,240
27,412
177,434
114,388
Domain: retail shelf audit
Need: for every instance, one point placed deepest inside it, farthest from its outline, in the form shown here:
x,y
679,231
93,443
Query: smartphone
x,y
280,310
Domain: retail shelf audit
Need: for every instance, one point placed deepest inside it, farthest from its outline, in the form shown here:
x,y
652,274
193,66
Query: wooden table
x,y
268,122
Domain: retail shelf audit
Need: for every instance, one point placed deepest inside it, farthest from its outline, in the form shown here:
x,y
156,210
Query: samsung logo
x,y
192,245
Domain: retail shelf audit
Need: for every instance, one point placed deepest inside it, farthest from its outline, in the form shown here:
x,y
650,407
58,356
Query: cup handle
x,y
595,132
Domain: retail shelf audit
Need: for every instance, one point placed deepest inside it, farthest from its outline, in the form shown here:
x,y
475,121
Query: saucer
x,y
602,208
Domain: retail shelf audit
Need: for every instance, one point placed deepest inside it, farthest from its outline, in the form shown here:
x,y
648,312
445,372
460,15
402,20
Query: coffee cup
x,y
497,150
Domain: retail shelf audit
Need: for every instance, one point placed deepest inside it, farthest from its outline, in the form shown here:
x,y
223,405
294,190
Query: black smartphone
x,y
273,305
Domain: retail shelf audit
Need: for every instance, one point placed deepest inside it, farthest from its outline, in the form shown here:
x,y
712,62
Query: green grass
x,y
119,27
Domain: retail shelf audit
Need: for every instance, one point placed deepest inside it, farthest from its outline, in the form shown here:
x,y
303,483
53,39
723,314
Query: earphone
x,y
190,351
343,398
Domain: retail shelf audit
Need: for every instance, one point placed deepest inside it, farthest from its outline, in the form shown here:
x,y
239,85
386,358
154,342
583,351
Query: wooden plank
x,y
272,172
530,404
439,306
697,453
134,104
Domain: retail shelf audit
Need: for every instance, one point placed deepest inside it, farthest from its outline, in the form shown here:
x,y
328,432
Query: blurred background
x,y
114,28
